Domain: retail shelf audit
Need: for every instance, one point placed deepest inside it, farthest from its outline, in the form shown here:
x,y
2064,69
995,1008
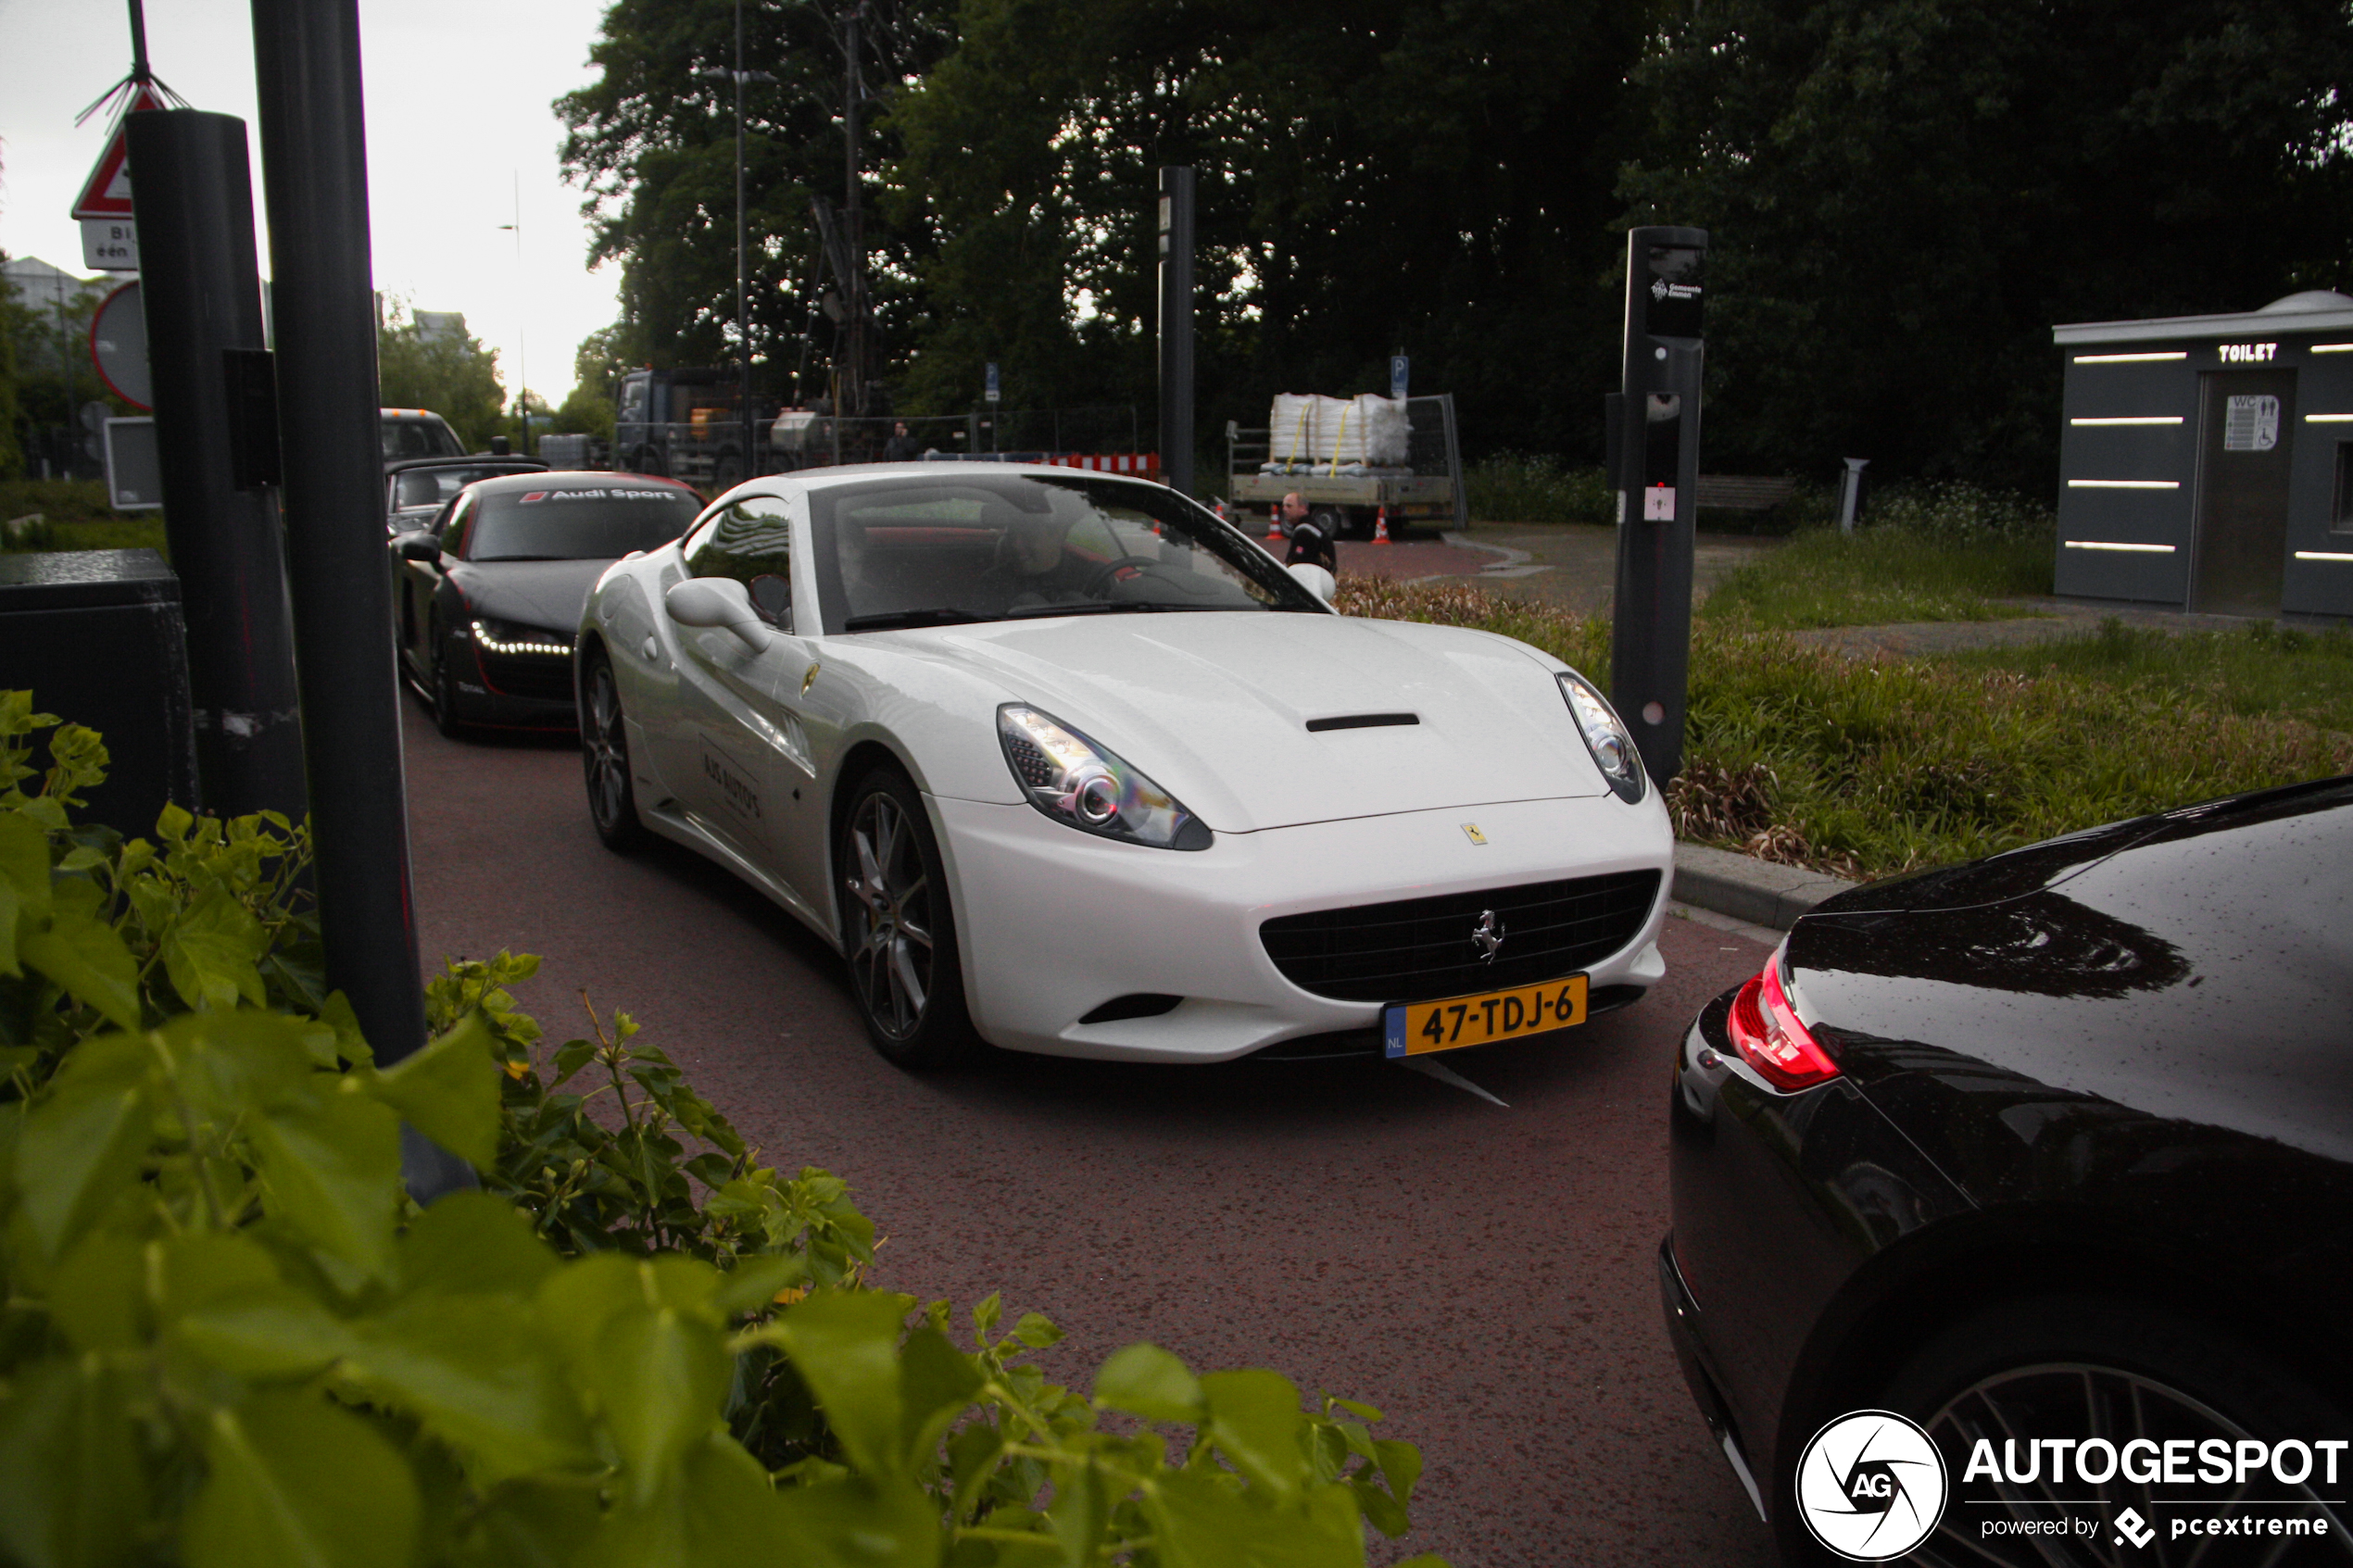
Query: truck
x,y
688,425
1352,499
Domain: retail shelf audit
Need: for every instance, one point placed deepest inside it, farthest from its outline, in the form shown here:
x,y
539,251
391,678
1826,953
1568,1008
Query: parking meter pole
x,y
1177,329
202,296
315,173
1655,448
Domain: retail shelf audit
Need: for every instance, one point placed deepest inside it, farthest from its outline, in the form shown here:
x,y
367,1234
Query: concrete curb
x,y
1745,888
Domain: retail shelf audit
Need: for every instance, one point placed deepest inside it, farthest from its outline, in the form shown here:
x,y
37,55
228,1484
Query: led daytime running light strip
x,y
494,643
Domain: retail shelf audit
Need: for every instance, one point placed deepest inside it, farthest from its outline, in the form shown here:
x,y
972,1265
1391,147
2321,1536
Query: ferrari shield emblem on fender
x,y
1470,831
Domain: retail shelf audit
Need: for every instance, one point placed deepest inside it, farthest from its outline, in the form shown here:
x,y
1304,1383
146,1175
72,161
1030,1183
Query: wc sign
x,y
2246,353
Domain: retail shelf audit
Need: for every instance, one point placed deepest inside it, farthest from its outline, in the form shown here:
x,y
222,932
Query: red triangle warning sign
x,y
108,192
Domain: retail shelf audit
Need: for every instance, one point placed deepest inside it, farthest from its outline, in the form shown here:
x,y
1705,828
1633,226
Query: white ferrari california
x,y
1065,761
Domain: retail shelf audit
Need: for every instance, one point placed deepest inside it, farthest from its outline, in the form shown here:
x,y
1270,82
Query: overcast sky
x,y
457,114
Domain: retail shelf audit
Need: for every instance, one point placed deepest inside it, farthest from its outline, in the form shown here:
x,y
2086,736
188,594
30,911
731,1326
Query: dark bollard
x,y
202,291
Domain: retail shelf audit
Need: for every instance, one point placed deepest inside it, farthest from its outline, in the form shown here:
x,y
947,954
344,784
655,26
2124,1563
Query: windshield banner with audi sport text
x,y
1874,1486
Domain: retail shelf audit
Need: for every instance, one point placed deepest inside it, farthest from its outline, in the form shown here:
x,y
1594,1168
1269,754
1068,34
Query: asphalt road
x,y
1483,1275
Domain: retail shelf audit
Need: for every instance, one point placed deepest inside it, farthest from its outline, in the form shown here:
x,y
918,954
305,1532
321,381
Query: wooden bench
x,y
1743,492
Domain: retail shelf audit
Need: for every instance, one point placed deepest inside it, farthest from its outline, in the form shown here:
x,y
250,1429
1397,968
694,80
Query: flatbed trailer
x,y
1349,500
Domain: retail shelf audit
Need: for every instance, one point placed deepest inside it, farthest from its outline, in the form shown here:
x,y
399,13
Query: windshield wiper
x,y
890,620
1101,607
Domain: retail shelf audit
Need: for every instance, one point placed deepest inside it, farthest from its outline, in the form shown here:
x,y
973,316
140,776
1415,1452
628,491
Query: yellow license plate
x,y
1417,1028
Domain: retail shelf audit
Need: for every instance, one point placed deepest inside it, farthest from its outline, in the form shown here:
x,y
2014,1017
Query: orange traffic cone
x,y
1380,527
1274,525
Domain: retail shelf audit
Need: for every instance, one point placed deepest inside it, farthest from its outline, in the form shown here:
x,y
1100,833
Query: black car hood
x,y
2192,965
549,594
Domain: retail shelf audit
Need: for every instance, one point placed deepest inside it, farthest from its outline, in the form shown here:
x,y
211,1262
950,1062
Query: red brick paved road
x,y
1482,1274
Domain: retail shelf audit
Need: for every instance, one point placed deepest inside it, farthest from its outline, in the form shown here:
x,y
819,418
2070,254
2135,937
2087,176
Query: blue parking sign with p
x,y
1398,365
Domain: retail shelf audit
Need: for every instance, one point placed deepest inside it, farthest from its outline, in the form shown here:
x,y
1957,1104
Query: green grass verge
x,y
2264,671
1862,768
1931,552
74,516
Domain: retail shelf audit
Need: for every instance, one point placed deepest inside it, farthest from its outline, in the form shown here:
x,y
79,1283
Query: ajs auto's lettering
x,y
741,795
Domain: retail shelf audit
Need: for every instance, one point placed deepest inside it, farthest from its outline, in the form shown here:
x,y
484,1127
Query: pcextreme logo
x,y
1870,1486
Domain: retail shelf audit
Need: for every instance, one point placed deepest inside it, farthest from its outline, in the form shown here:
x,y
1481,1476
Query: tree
x,y
652,144
1371,176
1902,199
450,373
586,411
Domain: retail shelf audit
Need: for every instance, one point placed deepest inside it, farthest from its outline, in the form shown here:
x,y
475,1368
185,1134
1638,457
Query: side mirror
x,y
418,547
717,601
1314,579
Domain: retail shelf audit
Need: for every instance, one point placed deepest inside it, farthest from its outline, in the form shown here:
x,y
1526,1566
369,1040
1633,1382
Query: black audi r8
x,y
2052,1155
486,601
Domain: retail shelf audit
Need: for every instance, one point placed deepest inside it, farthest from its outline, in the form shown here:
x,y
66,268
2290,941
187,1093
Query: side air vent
x,y
1137,1004
1361,721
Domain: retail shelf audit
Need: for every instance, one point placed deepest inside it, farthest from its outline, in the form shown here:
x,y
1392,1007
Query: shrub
x,y
229,1339
1523,487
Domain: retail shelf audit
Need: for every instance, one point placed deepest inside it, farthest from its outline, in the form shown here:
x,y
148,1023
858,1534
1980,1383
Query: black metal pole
x,y
201,291
1656,462
853,219
139,71
1177,329
315,169
743,293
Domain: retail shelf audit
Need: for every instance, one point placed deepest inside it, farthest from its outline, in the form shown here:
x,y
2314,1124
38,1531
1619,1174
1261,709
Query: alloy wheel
x,y
2086,1400
608,749
892,956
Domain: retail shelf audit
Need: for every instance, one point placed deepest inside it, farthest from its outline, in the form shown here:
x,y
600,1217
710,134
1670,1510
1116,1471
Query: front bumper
x,y
1056,923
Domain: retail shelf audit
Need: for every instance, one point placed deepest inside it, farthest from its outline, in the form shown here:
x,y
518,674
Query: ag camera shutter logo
x,y
1870,1486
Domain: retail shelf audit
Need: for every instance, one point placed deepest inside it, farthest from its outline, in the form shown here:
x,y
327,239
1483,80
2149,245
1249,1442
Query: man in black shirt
x,y
1308,540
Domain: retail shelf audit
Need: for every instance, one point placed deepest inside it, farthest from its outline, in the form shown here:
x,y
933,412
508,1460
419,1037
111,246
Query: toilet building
x,y
2206,461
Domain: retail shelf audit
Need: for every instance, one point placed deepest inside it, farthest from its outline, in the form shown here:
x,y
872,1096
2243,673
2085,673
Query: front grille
x,y
1416,950
546,676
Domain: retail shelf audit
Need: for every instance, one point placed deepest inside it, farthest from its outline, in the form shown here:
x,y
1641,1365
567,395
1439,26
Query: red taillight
x,y
1770,1039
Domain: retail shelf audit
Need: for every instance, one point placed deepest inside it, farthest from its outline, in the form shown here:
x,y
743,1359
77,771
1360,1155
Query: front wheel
x,y
604,756
898,932
444,689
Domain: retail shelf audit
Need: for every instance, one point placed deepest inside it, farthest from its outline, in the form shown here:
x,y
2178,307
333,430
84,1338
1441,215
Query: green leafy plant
x,y
227,1335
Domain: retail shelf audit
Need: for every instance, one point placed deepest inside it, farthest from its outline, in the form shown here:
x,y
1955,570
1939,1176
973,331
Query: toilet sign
x,y
2251,424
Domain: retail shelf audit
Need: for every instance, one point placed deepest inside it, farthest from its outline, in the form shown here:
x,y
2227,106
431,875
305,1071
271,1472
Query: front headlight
x,y
512,636
1605,736
1082,786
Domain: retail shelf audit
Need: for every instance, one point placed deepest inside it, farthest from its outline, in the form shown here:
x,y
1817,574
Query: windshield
x,y
936,551
430,487
585,523
413,437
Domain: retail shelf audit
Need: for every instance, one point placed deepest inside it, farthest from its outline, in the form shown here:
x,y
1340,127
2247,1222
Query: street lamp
x,y
522,287
739,76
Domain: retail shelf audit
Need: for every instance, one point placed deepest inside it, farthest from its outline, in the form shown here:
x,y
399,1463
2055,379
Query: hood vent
x,y
1361,721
